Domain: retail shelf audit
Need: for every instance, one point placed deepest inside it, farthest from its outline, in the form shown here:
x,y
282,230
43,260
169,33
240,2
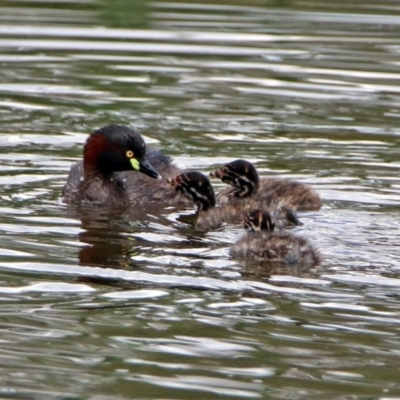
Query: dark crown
x,y
240,174
105,149
257,220
197,188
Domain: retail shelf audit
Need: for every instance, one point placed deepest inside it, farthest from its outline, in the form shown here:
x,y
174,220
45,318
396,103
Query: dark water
x,y
101,306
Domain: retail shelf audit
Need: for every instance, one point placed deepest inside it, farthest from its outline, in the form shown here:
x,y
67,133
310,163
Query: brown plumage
x,y
262,242
197,188
264,192
108,174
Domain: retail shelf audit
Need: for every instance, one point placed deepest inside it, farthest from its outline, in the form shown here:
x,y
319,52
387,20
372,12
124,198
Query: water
x,y
102,306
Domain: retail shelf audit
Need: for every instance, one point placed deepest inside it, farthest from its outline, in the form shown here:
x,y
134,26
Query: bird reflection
x,y
107,235
262,270
112,239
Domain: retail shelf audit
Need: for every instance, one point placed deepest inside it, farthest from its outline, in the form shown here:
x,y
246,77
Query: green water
x,y
100,306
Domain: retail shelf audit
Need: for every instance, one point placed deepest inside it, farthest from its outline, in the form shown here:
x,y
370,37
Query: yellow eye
x,y
129,153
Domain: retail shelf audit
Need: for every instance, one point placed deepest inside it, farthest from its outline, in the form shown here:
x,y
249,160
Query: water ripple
x,y
98,303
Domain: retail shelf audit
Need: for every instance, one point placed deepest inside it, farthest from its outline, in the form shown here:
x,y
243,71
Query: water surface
x,y
99,305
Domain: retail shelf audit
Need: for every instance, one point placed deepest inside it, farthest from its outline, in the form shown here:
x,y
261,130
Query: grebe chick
x,y
102,176
247,186
197,188
263,242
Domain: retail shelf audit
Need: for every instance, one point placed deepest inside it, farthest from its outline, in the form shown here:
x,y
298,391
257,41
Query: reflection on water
x,y
103,304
